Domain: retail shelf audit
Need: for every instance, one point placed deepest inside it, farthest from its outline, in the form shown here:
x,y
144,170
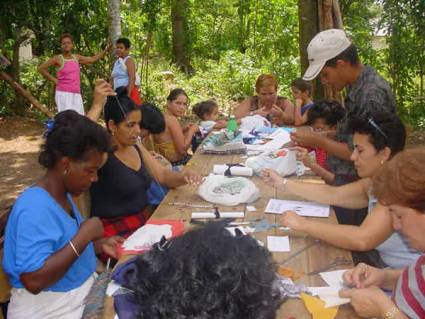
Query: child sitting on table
x,y
323,116
174,142
301,92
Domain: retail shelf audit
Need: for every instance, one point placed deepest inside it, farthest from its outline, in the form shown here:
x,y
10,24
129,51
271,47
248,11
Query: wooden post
x,y
337,15
21,91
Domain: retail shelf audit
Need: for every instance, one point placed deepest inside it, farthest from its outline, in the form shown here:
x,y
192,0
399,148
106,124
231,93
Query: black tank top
x,y
120,190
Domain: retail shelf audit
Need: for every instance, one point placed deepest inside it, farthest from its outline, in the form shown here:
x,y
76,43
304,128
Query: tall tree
x,y
114,14
315,16
180,35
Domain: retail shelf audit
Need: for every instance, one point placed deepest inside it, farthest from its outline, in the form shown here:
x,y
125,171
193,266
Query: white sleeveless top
x,y
394,251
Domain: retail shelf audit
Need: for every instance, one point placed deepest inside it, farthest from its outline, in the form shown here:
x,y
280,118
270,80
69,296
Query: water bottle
x,y
232,125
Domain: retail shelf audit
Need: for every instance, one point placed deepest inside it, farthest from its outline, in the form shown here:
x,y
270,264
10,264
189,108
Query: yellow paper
x,y
316,307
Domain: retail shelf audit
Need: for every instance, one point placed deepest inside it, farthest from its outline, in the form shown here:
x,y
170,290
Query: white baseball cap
x,y
323,47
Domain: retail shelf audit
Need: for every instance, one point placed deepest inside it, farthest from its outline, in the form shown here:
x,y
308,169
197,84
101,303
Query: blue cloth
x,y
156,193
37,228
306,107
125,303
120,73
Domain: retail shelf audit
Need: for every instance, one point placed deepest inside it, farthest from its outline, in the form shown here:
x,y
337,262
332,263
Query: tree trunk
x,y
308,28
22,92
337,15
180,36
329,16
308,20
114,19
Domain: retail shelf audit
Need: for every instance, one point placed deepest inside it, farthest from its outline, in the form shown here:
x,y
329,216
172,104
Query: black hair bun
x,y
121,91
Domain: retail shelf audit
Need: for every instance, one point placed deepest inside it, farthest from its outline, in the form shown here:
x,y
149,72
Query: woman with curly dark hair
x,y
206,273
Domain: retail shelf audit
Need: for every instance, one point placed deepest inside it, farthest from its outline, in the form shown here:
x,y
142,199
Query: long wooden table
x,y
317,257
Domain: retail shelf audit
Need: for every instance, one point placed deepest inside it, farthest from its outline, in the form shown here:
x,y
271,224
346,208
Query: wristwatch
x,y
390,314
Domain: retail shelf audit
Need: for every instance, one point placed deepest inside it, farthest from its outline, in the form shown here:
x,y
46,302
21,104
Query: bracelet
x,y
73,248
390,314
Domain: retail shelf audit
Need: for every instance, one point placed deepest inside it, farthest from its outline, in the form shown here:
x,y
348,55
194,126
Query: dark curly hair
x,y
152,118
118,107
73,135
390,131
206,273
330,111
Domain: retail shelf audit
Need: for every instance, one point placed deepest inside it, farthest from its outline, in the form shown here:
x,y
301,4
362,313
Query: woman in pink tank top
x,y
67,80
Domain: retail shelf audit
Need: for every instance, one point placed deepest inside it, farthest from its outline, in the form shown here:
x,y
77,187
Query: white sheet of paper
x,y
334,278
278,139
146,236
278,243
329,295
308,209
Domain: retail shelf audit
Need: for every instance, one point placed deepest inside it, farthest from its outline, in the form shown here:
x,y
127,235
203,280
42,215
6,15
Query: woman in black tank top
x,y
119,195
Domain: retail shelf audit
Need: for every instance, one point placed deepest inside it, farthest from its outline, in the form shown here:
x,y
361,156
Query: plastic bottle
x,y
232,125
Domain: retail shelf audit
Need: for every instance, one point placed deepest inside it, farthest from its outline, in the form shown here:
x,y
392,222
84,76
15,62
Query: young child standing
x,y
174,142
323,116
301,92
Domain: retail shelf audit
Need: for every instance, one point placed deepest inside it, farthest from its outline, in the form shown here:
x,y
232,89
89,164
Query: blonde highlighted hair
x,y
401,181
266,80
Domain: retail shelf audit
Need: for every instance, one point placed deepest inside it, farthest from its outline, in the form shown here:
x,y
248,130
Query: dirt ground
x,y
20,140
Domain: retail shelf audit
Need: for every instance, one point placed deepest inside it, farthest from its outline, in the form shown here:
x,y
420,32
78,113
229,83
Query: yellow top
x,y
168,150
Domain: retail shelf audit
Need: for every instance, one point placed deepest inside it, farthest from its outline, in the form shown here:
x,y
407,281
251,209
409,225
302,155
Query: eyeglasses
x,y
376,127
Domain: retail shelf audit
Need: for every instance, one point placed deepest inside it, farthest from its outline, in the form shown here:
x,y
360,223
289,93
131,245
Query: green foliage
x,y
405,22
231,43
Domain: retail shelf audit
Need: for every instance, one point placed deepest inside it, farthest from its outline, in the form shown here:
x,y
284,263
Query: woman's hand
x,y
305,137
92,229
363,276
192,177
109,245
302,155
272,178
102,90
369,302
262,111
292,220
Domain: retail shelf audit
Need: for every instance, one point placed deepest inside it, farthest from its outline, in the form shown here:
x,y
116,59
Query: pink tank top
x,y
68,76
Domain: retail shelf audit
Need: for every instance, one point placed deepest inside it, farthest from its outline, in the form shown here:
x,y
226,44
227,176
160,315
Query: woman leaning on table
x,y
119,196
400,185
377,138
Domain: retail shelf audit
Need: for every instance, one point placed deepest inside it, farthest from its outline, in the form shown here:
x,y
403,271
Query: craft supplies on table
x,y
228,191
307,209
278,243
232,170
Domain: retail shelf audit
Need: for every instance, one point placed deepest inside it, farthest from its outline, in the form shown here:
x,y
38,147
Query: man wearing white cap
x,y
334,58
